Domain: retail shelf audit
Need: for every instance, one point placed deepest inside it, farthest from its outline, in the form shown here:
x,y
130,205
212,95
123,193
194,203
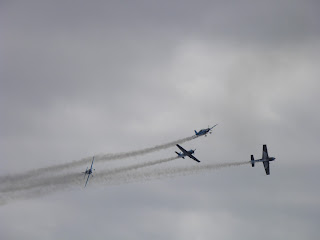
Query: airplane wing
x,y
87,180
92,163
193,157
183,150
213,126
265,152
266,167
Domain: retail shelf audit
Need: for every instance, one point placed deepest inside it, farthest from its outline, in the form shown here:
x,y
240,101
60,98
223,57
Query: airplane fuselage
x,y
264,160
182,155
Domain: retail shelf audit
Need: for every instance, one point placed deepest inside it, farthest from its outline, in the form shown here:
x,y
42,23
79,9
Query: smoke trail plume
x,y
115,176
98,158
130,176
72,177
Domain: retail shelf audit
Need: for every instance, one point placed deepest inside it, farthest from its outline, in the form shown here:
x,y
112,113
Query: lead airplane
x,y
89,172
186,153
265,159
204,131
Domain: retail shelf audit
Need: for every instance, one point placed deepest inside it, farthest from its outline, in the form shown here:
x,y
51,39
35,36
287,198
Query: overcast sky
x,y
80,78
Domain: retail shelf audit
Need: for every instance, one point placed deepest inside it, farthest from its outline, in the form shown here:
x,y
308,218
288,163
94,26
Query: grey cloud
x,y
89,77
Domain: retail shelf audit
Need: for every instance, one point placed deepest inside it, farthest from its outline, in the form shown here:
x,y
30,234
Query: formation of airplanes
x,y
184,153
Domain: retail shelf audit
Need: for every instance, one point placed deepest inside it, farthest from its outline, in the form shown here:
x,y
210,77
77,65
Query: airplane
x,y
204,131
186,153
89,172
265,159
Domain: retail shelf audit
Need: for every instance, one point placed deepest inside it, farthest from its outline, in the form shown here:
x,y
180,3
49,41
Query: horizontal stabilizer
x,y
180,155
252,160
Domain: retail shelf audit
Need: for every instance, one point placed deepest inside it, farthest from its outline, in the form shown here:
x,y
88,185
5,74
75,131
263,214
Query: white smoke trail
x,y
130,176
72,178
37,187
110,177
99,158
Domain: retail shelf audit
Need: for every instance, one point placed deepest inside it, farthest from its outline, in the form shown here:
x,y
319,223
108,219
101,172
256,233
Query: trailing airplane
x,y
265,159
204,131
186,153
89,172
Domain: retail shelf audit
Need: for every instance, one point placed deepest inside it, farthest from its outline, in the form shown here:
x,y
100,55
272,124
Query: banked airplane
x,y
186,153
265,159
204,131
89,172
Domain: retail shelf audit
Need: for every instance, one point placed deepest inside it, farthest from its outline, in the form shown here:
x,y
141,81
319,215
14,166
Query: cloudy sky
x,y
80,78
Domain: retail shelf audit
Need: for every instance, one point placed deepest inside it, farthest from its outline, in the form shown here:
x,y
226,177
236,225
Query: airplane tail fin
x,y
195,132
252,160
